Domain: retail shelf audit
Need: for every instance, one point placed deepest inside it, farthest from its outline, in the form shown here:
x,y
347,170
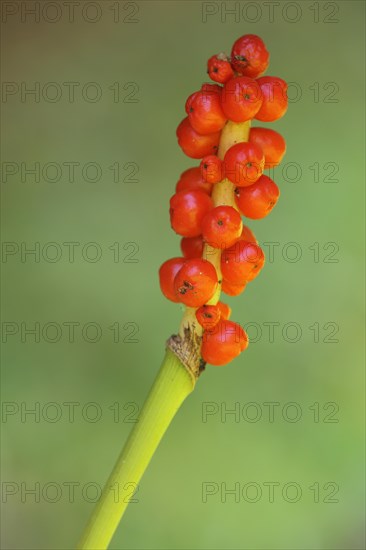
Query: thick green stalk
x,y
172,385
176,379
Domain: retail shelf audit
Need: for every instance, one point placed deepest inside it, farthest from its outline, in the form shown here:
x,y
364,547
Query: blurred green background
x,y
156,52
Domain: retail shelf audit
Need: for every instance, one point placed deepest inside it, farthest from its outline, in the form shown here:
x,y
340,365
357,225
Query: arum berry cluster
x,y
219,252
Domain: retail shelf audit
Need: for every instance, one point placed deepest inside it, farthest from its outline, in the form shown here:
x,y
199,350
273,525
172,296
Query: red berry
x,y
248,235
207,89
223,343
241,99
195,145
196,282
257,200
192,247
222,227
249,56
191,179
187,210
241,262
205,113
274,98
189,101
244,163
272,144
211,169
208,316
219,68
167,273
232,290
211,88
225,310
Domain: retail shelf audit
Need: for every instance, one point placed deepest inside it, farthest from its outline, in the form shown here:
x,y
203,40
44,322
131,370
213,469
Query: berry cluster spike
x,y
219,253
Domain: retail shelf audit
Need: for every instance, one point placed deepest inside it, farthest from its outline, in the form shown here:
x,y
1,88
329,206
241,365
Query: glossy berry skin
x,y
205,113
167,273
195,145
209,88
219,68
222,227
242,262
244,163
212,170
232,290
272,144
249,56
191,179
248,235
241,99
222,344
189,102
192,247
257,200
187,210
196,282
225,310
274,98
208,316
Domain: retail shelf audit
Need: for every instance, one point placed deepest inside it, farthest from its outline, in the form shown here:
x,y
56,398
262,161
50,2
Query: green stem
x,y
172,385
176,379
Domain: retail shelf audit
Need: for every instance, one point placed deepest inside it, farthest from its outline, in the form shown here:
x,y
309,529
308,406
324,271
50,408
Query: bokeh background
x,y
312,368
